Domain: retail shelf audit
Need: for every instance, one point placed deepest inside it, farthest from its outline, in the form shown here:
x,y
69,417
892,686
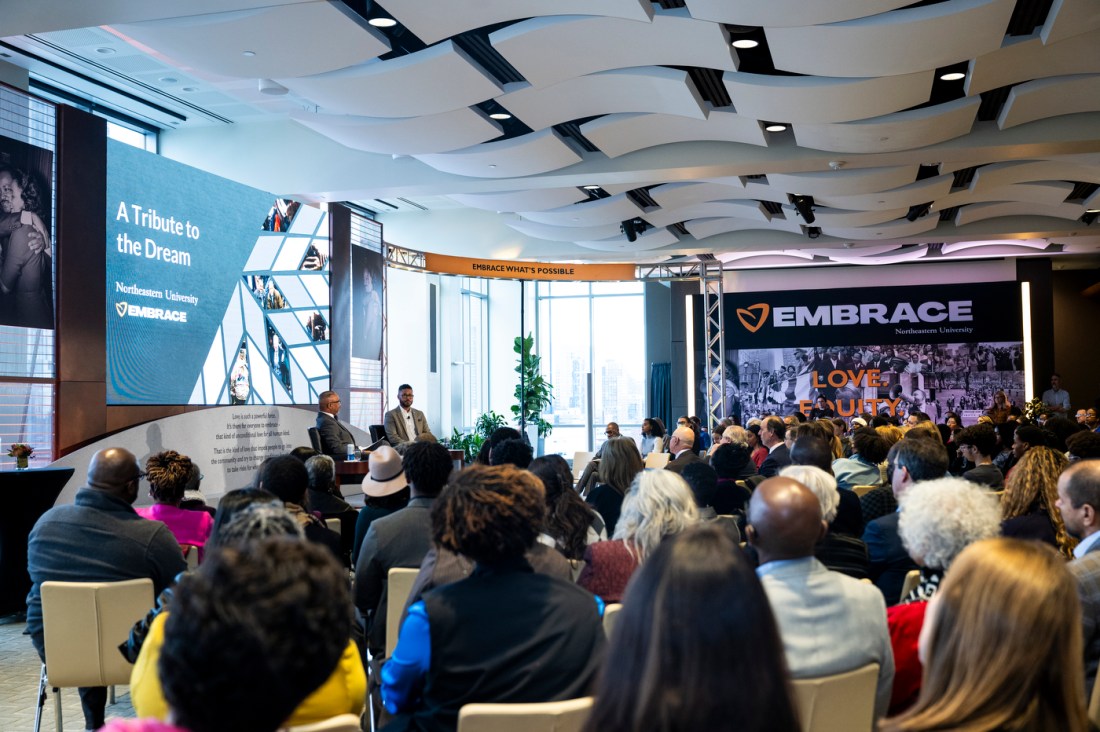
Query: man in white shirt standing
x,y
1056,399
405,424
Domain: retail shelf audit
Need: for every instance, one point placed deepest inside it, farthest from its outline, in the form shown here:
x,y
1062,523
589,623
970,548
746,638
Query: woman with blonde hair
x,y
659,504
621,461
1027,504
889,432
996,645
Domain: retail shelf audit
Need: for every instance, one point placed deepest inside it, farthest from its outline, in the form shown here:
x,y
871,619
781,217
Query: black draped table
x,y
24,496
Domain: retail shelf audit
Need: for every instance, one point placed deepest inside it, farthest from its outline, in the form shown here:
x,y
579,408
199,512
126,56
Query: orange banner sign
x,y
527,270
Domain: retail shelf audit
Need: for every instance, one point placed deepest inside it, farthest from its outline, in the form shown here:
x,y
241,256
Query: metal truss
x,y
710,285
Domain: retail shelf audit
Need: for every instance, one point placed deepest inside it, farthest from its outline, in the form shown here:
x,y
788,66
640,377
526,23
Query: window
x,y
591,337
475,349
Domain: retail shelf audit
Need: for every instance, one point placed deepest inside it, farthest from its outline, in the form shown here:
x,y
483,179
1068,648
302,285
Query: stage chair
x,y
842,702
377,432
912,579
315,438
399,585
560,716
84,623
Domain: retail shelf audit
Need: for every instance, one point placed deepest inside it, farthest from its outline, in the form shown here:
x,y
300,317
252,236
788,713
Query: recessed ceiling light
x,y
500,115
382,22
168,80
492,165
188,89
775,128
746,43
248,54
591,187
105,51
953,76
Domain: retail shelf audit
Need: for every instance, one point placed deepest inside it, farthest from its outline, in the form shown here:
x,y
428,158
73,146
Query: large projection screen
x,y
217,293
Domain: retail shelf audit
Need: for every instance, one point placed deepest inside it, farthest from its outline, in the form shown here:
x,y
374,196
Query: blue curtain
x,y
660,392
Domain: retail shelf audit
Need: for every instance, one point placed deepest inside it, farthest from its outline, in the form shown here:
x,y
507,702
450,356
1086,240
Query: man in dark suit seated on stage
x,y
335,436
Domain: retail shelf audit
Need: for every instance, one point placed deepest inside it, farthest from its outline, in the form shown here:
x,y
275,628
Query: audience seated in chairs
x,y
733,462
839,552
658,504
695,647
505,634
939,518
168,473
571,524
325,498
287,478
703,481
810,449
621,462
386,489
514,452
862,468
997,645
252,633
1028,504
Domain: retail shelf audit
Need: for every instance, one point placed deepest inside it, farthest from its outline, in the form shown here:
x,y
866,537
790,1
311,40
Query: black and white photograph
x,y
26,235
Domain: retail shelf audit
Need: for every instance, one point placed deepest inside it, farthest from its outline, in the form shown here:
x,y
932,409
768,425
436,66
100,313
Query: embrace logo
x,y
121,308
754,316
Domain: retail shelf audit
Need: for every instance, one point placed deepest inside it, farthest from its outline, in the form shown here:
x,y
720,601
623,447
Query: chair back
x,y
339,723
377,432
398,586
912,579
560,716
315,438
842,702
610,617
84,623
190,555
862,490
581,459
657,460
333,524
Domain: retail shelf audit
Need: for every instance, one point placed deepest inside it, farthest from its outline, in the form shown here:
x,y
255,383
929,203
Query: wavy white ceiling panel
x,y
897,256
704,228
434,21
890,230
551,232
534,47
444,77
537,152
864,250
749,210
535,199
1044,98
1068,18
962,246
646,241
1025,59
929,189
650,89
845,182
819,99
602,211
839,219
672,195
767,260
1049,193
898,42
780,13
908,130
997,175
618,134
216,43
405,136
983,211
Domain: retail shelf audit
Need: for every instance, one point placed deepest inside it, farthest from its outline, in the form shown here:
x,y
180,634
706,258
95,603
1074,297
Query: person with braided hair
x,y
505,634
1028,508
168,474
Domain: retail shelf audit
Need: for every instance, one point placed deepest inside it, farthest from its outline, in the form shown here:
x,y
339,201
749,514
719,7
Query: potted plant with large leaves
x,y
470,442
533,393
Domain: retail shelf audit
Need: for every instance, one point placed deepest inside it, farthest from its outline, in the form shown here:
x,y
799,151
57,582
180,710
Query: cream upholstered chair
x,y
657,460
839,703
581,459
333,524
560,716
610,617
398,586
912,579
84,623
339,723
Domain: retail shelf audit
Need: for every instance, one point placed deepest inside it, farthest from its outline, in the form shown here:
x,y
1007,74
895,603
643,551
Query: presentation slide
x,y
217,293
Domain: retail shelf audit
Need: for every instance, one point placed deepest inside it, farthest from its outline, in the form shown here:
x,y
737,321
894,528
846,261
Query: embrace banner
x,y
878,350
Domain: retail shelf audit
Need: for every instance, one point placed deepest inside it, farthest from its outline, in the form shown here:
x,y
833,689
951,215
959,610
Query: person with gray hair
x,y
325,498
658,504
939,518
838,552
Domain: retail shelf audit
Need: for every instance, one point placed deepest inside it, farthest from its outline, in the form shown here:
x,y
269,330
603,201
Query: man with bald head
x,y
829,623
99,538
680,445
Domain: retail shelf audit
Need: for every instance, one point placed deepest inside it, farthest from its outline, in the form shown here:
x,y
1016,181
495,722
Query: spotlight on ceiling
x,y
745,43
271,88
917,211
381,22
632,227
813,232
774,127
591,187
1090,216
805,207
500,115
952,76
